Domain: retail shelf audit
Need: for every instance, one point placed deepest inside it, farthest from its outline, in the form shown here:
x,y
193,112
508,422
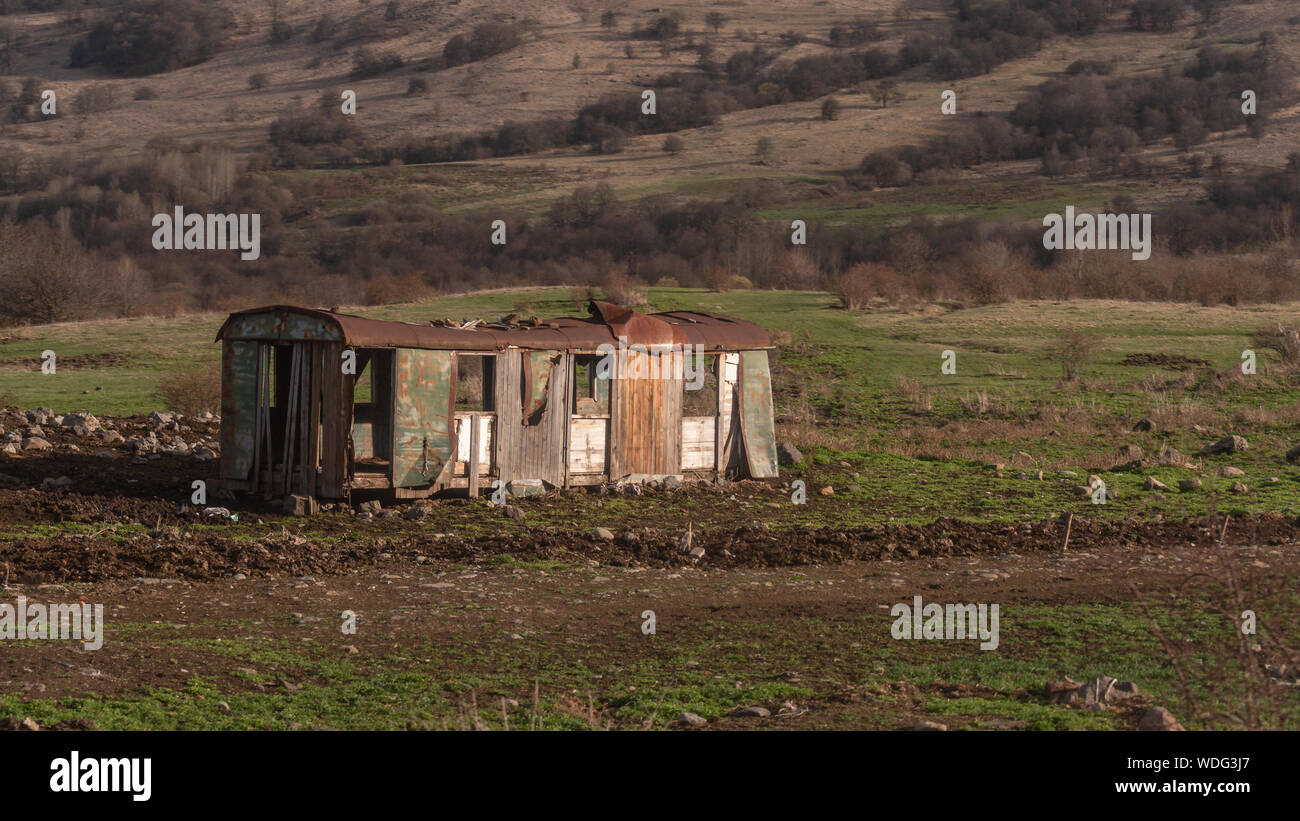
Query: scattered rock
x,y
521,488
372,506
1238,487
691,720
932,726
1189,484
697,553
752,712
297,505
827,491
1293,455
605,534
1157,719
1152,483
1142,425
788,454
1131,453
1100,692
80,420
60,481
1170,456
1228,470
1228,444
513,512
36,443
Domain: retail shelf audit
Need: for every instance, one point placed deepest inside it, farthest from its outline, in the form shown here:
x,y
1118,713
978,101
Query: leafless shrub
x,y
623,289
1227,677
1073,350
921,400
191,388
864,282
1284,341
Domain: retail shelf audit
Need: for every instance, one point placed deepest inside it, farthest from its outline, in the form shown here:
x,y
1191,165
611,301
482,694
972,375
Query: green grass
x,y
704,666
846,386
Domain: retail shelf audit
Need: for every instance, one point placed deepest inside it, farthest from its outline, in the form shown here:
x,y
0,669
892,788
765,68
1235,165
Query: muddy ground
x,y
802,645
221,624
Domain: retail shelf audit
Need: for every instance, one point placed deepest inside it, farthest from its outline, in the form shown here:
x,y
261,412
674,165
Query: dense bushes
x,y
1088,120
152,36
486,40
381,250
367,62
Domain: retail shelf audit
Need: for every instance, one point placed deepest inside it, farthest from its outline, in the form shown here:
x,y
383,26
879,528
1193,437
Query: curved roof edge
x,y
607,324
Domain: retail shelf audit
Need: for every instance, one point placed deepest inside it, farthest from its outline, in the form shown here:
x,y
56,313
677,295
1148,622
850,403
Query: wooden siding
x,y
588,442
531,451
645,434
698,442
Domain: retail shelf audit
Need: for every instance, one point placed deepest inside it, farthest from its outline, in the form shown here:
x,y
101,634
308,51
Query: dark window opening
x,y
700,385
590,388
475,382
372,410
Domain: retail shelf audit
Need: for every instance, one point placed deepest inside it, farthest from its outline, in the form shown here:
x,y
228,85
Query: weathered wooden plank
x,y
728,419
699,442
471,465
336,402
314,420
587,446
466,422
506,400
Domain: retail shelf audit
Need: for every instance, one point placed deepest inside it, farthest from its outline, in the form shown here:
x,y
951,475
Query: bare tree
x,y
885,92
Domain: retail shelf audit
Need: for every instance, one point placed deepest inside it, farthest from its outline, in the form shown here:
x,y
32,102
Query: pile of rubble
x,y
37,431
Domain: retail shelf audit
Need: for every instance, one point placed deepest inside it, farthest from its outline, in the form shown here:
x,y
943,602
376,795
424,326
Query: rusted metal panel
x,y
756,423
286,325
604,326
238,408
422,412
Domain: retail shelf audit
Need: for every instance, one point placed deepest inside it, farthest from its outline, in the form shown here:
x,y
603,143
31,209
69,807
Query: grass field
x,y
862,393
461,665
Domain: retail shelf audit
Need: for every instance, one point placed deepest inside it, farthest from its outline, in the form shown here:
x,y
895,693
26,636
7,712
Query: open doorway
x,y
372,412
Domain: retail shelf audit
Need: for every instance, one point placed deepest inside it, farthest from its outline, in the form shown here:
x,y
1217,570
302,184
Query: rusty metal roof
x,y
607,323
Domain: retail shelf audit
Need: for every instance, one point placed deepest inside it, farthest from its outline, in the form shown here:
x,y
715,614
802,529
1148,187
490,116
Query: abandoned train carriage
x,y
319,403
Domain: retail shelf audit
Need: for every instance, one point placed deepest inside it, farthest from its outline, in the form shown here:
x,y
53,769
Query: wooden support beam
x,y
471,466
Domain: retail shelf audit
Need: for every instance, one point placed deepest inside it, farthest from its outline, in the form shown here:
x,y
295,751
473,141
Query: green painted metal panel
x,y
238,407
282,326
422,413
757,426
